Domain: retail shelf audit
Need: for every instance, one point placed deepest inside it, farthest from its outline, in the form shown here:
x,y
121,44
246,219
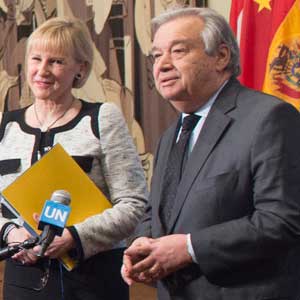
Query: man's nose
x,y
165,62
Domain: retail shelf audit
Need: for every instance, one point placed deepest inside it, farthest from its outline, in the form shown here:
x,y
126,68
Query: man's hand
x,y
148,260
133,258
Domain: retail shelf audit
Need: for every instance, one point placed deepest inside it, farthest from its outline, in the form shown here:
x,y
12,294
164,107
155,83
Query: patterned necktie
x,y
175,167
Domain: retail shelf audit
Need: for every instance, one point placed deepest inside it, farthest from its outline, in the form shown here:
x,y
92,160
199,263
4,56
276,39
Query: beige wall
x,y
221,6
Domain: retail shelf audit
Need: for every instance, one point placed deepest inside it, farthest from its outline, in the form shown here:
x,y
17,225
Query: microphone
x,y
9,251
53,218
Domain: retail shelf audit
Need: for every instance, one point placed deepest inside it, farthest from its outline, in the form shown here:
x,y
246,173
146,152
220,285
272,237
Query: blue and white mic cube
x,y
54,214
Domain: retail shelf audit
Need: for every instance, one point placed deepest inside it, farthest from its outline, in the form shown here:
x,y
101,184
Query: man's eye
x,y
178,50
156,55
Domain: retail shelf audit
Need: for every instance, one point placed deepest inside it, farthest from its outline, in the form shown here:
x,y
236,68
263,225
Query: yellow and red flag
x,y
268,32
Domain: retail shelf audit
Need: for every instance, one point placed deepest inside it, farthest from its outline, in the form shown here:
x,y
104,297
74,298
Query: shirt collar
x,y
204,109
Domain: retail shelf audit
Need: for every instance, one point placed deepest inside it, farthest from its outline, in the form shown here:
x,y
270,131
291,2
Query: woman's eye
x,y
57,61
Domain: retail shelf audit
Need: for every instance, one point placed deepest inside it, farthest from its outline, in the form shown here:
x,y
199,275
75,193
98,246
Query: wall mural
x,y
122,71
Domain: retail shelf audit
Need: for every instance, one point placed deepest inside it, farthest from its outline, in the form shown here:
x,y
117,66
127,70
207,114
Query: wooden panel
x,y
142,292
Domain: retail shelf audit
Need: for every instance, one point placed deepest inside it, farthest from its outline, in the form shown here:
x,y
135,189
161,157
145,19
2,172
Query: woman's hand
x,y
59,246
18,235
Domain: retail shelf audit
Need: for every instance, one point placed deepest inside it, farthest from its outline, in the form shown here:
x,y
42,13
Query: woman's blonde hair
x,y
66,36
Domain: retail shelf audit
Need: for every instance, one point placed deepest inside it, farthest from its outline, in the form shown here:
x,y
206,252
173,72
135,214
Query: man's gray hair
x,y
215,33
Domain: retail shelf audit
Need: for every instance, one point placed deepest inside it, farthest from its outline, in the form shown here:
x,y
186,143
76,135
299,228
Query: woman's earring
x,y
78,76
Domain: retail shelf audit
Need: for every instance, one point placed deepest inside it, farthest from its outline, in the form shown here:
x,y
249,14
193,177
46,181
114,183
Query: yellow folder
x,y
56,170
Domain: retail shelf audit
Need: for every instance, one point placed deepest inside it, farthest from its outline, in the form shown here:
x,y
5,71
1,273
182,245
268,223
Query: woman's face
x,y
50,75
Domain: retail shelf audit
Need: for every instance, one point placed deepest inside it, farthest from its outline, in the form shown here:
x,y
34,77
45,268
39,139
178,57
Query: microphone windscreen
x,y
61,196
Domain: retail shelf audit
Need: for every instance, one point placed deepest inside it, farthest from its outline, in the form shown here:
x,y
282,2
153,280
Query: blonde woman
x,y
59,57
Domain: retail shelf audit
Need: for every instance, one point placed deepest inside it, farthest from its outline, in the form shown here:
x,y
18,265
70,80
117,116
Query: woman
x,y
58,58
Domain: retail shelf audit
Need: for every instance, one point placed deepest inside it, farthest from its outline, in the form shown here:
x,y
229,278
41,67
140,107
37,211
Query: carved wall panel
x,y
122,71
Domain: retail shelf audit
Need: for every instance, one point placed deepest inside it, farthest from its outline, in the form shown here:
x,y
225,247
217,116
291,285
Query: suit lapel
x,y
215,125
165,149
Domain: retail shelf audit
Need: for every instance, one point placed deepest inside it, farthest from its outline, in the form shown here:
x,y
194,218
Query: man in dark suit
x,y
231,229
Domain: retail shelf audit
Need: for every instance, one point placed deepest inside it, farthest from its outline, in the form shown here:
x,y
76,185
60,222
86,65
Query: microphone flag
x,y
54,214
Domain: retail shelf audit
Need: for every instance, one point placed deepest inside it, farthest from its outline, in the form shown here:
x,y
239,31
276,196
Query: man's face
x,y
183,72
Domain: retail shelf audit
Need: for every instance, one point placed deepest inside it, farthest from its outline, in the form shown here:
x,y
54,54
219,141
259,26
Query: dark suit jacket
x,y
239,197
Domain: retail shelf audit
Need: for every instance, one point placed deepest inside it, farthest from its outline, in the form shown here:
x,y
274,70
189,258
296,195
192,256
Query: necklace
x,y
55,120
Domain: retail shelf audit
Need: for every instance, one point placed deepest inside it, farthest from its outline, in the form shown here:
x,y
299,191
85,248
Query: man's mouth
x,y
168,81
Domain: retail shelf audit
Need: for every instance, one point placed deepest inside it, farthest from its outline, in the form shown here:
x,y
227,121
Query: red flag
x,y
236,14
268,32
